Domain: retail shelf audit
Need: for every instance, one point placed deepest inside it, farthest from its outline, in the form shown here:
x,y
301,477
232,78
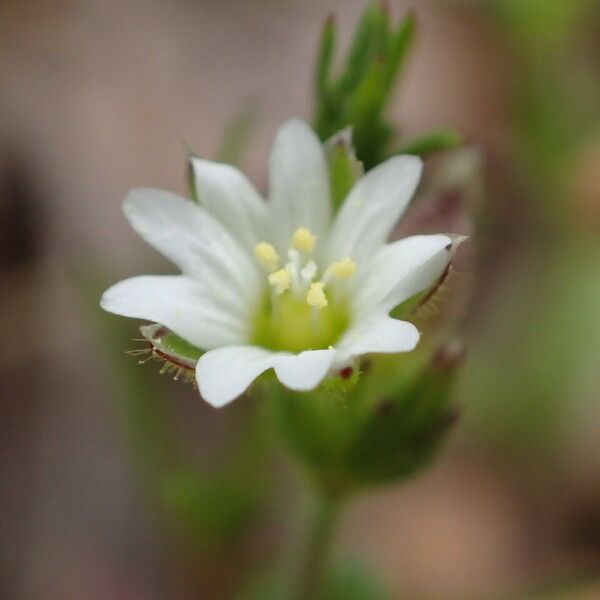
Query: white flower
x,y
282,284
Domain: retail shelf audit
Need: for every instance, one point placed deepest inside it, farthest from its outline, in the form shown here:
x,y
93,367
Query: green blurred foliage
x,y
545,25
557,104
525,383
349,580
209,506
521,380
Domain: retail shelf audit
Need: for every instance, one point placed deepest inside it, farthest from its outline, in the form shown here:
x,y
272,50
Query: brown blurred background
x,y
98,97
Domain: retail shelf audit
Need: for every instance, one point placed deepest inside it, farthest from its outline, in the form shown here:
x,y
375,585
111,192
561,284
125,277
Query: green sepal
x,y
170,346
382,427
404,429
403,310
344,168
190,177
316,426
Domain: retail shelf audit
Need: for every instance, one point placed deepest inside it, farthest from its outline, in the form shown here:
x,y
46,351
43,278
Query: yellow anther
x,y
344,268
303,240
267,255
280,280
316,295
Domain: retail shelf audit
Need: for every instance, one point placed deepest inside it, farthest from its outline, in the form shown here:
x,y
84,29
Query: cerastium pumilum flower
x,y
284,284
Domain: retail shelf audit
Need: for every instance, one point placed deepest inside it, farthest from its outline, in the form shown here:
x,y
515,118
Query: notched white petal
x,y
227,195
304,371
197,243
179,303
400,270
299,182
373,207
378,334
226,373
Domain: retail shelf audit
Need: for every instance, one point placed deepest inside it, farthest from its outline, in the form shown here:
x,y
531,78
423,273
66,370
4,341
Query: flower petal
x,y
299,182
372,208
304,371
228,196
180,304
378,334
225,373
197,243
400,270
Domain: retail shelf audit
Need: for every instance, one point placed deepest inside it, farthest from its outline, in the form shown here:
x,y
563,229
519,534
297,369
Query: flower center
x,y
300,312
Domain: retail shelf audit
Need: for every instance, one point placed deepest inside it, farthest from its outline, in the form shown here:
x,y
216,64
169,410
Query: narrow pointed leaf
x,y
398,50
434,142
369,40
325,56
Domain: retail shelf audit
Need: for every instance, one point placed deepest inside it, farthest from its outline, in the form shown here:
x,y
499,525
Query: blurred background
x,y
118,483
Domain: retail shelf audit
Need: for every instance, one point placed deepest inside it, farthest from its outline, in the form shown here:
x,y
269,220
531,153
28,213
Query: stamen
x,y
303,240
316,295
267,255
280,280
293,266
309,271
343,268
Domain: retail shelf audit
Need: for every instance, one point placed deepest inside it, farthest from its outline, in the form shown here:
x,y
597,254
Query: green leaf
x,y
369,40
362,93
366,102
325,56
344,168
432,142
398,50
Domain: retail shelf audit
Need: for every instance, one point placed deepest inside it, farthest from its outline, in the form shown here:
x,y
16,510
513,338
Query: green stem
x,y
315,556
